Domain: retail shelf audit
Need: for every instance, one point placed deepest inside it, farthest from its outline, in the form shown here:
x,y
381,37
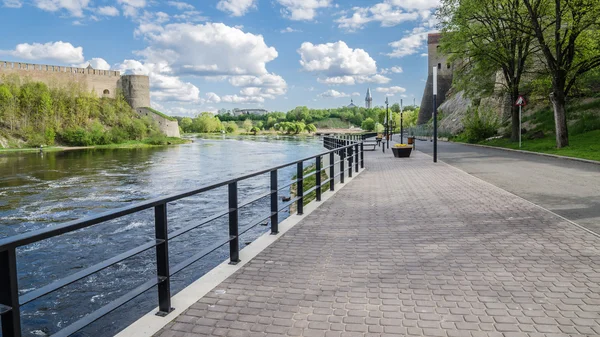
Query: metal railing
x,y
10,301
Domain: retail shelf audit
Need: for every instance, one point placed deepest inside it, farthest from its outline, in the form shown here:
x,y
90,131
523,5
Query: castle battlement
x,y
4,65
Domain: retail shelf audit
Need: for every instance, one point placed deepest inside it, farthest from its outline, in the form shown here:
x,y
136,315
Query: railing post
x,y
9,294
350,158
274,204
300,188
162,260
332,171
318,178
356,157
342,160
234,244
362,155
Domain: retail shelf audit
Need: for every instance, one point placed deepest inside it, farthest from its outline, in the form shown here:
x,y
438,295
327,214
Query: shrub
x,y
368,124
480,125
49,136
76,137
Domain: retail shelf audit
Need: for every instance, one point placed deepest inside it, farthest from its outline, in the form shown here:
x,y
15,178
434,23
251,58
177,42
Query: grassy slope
x,y
585,145
584,132
161,114
131,144
332,123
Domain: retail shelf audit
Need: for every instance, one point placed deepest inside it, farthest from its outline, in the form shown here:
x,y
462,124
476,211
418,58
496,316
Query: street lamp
x,y
387,116
435,115
401,123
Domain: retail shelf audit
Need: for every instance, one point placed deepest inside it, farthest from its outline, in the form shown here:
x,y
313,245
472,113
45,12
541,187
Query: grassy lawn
x,y
585,145
309,183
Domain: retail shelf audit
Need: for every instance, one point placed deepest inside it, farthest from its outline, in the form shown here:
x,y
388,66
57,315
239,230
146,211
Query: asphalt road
x,y
568,188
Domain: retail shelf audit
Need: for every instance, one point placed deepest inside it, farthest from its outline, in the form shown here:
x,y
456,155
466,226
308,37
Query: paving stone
x,y
412,248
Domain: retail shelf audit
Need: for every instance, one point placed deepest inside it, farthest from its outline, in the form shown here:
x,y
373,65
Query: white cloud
x,y
131,7
415,4
74,7
12,3
190,16
209,49
181,5
338,80
96,63
242,99
303,9
336,59
391,91
211,97
108,11
380,79
356,94
236,7
394,70
162,87
290,30
333,94
409,44
61,52
385,13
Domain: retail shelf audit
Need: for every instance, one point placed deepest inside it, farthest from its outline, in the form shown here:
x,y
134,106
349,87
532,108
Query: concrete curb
x,y
589,161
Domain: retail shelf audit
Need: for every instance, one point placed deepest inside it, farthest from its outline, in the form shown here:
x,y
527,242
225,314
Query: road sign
x,y
521,101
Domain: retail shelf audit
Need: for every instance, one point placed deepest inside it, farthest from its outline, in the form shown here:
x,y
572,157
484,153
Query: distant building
x,y
352,105
369,99
239,112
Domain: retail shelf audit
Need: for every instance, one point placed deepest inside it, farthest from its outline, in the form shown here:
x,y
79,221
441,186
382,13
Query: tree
x,y
567,33
255,129
186,124
311,128
368,124
247,125
486,36
231,127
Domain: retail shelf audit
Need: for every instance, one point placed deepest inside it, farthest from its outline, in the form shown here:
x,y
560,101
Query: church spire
x,y
369,99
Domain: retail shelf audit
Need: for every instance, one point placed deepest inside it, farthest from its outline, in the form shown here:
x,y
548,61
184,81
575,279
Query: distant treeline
x,y
297,120
33,113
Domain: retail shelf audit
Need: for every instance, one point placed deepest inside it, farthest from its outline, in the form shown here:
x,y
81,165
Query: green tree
x,y
186,124
311,128
486,37
247,125
231,127
567,32
368,124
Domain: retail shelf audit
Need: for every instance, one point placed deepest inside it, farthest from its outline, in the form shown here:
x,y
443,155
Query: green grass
x,y
332,123
585,145
309,183
131,144
161,114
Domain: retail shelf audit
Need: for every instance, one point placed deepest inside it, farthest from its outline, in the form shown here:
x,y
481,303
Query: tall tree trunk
x,y
514,111
560,117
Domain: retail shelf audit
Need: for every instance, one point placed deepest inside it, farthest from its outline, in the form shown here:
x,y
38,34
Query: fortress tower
x,y
369,99
444,70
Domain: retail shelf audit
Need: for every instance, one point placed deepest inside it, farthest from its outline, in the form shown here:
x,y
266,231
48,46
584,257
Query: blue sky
x,y
221,54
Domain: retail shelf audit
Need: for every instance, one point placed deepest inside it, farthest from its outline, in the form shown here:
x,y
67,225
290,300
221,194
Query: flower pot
x,y
402,152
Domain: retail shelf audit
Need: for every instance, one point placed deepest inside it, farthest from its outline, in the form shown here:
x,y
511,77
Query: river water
x,y
41,190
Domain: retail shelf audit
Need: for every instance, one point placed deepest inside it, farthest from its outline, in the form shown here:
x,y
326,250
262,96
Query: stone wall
x,y
136,89
168,127
104,82
445,71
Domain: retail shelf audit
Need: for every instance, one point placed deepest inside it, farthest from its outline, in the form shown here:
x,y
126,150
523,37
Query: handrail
x,y
349,149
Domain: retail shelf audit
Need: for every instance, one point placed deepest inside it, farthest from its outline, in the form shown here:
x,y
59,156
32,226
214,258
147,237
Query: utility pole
x,y
435,115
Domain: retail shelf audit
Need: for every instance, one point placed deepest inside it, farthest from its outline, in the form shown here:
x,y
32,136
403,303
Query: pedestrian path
x,y
412,248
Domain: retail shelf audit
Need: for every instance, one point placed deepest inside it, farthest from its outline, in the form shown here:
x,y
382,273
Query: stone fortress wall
x,y
445,73
105,83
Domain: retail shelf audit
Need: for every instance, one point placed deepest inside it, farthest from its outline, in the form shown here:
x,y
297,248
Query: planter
x,y
402,152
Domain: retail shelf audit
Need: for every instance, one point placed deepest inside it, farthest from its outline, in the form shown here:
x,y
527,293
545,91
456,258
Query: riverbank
x,y
133,144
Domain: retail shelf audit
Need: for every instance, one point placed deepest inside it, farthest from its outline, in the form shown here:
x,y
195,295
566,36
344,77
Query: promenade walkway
x,y
412,248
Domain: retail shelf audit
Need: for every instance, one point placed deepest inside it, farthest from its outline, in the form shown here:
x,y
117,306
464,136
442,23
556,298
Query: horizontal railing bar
x,y
287,185
105,310
256,223
246,203
54,286
310,190
187,262
184,230
288,204
46,233
310,174
4,309
325,182
339,174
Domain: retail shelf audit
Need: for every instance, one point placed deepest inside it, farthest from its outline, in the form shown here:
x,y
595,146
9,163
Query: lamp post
x,y
387,126
401,123
435,115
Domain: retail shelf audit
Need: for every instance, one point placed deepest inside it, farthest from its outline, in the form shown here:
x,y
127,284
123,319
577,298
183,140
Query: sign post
x,y
521,102
435,115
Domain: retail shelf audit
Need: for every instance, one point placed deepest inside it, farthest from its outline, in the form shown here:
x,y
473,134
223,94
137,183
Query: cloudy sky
x,y
205,55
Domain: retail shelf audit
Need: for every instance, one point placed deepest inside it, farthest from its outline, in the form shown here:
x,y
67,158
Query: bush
x,y
157,139
76,137
480,125
368,124
49,136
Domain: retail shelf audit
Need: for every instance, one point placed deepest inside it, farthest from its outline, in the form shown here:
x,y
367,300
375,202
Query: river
x,y
41,190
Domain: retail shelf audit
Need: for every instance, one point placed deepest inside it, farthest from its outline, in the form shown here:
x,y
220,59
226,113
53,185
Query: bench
x,y
373,144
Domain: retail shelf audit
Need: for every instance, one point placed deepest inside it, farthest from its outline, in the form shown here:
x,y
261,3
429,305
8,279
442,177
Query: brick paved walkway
x,y
412,248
